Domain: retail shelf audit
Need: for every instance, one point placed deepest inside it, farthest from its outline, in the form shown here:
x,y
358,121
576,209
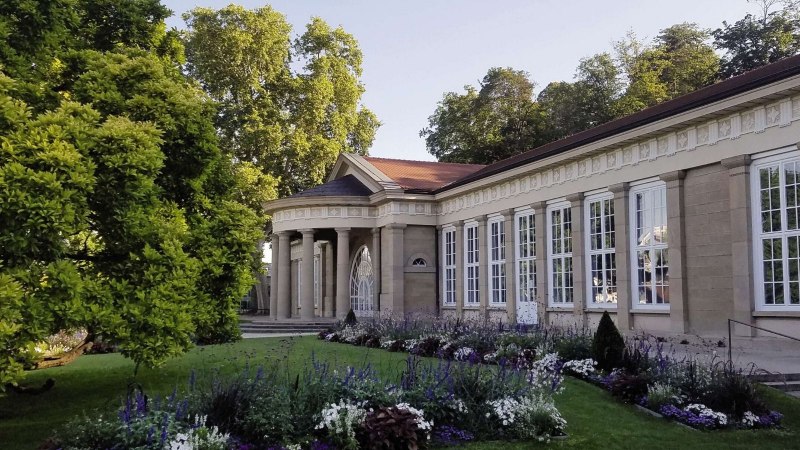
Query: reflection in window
x,y
779,232
602,247
560,258
650,245
449,253
526,256
497,260
471,261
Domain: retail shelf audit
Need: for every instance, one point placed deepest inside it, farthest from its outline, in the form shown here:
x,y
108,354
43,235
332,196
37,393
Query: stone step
x,y
774,377
789,386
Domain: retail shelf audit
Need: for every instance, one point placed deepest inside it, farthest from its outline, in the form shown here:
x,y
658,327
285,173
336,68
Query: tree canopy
x,y
120,213
606,86
288,107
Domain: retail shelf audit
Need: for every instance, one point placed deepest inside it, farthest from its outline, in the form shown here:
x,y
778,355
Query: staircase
x,y
286,326
789,382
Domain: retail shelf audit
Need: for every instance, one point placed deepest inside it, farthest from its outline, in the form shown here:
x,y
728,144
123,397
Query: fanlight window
x,y
362,280
419,262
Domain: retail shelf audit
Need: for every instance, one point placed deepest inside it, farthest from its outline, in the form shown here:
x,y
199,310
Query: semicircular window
x,y
419,262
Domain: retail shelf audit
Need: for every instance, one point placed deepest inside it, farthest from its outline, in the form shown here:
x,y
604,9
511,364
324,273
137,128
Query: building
x,y
673,219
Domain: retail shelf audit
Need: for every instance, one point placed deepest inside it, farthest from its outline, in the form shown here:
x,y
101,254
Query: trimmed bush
x,y
608,346
350,320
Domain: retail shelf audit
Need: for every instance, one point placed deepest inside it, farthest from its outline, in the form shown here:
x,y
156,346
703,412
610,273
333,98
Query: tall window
x,y
649,245
777,230
600,251
497,260
559,219
449,265
526,257
471,261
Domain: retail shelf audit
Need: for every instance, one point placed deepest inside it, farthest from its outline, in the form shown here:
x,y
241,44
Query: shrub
x,y
608,346
629,387
394,428
350,320
732,393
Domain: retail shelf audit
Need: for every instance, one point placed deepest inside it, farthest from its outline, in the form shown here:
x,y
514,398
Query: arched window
x,y
362,280
419,262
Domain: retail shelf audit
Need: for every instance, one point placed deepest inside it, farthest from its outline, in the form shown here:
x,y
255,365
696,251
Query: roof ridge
x,y
421,161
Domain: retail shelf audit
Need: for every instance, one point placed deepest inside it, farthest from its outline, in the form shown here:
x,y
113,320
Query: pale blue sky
x,y
414,51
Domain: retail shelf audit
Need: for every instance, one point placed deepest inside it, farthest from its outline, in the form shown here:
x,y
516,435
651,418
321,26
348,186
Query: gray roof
x,y
346,186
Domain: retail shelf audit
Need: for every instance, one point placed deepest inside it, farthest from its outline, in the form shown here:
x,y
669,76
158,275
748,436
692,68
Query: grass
x,y
595,420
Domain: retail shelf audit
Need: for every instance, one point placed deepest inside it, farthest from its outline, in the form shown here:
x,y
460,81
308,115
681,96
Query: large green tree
x,y
485,125
119,211
755,41
587,102
678,62
288,107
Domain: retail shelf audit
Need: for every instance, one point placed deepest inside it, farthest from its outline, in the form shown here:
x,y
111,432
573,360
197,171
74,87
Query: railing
x,y
730,335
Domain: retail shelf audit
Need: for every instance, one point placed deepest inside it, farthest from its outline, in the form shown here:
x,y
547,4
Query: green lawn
x,y
595,420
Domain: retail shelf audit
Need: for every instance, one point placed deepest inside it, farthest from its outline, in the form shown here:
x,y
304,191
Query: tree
x,y
482,126
119,211
752,42
589,101
679,61
290,124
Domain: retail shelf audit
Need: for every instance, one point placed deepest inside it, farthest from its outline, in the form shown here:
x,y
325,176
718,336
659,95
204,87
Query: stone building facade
x,y
673,219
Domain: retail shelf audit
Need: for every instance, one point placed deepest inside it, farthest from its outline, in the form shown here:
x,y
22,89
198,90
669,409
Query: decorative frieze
x,y
692,138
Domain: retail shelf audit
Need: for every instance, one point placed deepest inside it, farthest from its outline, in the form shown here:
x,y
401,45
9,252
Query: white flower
x,y
749,419
703,411
422,424
583,367
463,353
341,419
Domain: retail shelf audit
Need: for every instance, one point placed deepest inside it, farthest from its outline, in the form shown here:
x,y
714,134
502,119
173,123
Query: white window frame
x,y
317,280
602,252
472,292
449,266
529,256
653,186
496,249
565,257
758,235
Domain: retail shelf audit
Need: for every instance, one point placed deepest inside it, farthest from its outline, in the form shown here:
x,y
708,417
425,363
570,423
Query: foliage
x,y
483,125
608,346
350,319
753,41
395,427
119,213
679,61
291,125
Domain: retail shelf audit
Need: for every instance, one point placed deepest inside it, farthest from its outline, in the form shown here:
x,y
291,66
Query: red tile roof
x,y
422,176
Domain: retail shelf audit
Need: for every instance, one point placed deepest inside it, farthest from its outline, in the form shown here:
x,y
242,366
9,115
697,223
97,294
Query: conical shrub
x,y
608,347
350,320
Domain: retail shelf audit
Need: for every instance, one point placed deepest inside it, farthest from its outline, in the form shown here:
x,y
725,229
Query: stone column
x,y
376,270
393,259
542,245
511,275
459,269
483,267
327,265
307,282
578,259
678,295
284,306
342,272
622,238
273,278
741,242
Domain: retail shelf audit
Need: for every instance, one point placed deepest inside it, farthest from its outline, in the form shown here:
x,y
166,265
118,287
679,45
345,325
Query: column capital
x,y
342,230
507,214
736,162
396,226
539,207
481,219
306,231
575,198
676,175
284,234
376,230
619,188
458,224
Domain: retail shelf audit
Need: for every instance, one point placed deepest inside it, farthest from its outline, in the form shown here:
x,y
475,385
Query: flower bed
x,y
700,392
326,407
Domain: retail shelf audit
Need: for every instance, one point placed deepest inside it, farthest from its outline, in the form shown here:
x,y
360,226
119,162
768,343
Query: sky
x,y
416,50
